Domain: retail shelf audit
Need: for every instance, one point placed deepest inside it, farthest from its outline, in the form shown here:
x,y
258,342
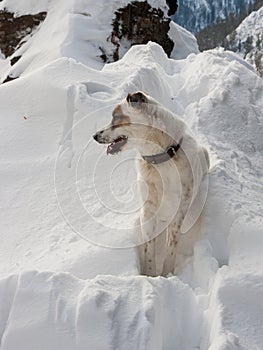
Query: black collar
x,y
163,157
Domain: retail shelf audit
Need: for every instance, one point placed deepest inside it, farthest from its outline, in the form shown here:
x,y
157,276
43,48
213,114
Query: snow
x,y
82,29
68,266
252,25
63,311
247,39
185,42
24,7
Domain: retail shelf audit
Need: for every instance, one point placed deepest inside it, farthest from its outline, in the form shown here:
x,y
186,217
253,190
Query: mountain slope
x,y
197,15
247,40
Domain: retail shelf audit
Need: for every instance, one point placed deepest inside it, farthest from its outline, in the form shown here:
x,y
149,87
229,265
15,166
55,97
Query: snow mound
x,y
107,312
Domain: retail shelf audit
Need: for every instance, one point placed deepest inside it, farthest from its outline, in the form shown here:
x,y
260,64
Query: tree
x,y
248,45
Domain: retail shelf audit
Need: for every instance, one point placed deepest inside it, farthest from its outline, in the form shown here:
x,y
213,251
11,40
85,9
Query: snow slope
x,y
68,267
251,25
247,39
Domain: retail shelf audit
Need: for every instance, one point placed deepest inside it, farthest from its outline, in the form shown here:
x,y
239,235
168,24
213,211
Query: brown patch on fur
x,y
117,111
147,166
122,123
119,119
173,240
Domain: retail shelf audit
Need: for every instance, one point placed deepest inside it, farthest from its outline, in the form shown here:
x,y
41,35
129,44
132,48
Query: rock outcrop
x,y
12,32
14,29
139,23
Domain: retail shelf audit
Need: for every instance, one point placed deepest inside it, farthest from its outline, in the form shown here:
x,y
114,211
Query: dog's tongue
x,y
116,145
109,149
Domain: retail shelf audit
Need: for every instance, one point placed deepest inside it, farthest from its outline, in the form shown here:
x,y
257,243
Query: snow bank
x,y
83,228
61,311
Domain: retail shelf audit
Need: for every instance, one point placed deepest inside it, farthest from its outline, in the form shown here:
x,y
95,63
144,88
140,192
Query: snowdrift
x,y
85,290
46,310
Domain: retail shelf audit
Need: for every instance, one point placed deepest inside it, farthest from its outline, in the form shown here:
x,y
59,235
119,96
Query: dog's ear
x,y
137,98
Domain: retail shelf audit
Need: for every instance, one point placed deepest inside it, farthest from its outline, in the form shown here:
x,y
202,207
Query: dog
x,y
170,167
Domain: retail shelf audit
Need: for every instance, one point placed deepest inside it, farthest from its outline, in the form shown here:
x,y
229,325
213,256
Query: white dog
x,y
170,169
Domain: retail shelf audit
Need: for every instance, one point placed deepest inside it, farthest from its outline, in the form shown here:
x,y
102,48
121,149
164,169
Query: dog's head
x,y
129,124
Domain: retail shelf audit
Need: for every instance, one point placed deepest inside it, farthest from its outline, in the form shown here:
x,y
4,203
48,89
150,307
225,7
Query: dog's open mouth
x,y
116,145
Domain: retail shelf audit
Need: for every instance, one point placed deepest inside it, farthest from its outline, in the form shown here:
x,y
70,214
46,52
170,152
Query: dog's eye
x,y
117,119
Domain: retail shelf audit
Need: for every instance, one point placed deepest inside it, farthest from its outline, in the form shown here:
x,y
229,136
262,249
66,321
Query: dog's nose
x,y
97,135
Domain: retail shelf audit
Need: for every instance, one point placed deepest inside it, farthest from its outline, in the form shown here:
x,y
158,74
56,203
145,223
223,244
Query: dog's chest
x,y
168,182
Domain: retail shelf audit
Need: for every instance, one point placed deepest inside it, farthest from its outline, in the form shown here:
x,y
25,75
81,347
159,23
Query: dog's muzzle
x,y
115,145
97,136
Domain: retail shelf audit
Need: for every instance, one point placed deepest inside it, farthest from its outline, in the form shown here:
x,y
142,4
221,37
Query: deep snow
x,y
69,272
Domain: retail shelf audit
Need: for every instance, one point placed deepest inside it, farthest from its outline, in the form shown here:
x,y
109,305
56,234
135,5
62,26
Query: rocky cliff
x,y
139,23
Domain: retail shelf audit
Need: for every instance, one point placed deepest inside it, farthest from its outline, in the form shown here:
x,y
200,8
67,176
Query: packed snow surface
x,y
68,266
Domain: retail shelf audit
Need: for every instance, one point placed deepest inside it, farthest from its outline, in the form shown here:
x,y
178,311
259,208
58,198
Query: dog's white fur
x,y
167,189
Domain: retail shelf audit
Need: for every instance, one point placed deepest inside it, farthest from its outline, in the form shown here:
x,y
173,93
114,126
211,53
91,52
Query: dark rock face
x,y
172,6
9,78
14,29
139,23
14,60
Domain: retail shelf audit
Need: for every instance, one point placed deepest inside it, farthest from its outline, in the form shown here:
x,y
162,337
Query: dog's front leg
x,y
171,241
148,228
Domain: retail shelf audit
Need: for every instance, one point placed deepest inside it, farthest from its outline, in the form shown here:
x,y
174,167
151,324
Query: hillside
x,y
241,33
69,276
200,14
247,40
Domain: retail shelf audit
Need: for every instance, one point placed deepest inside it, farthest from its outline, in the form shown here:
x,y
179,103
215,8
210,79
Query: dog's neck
x,y
170,153
159,139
